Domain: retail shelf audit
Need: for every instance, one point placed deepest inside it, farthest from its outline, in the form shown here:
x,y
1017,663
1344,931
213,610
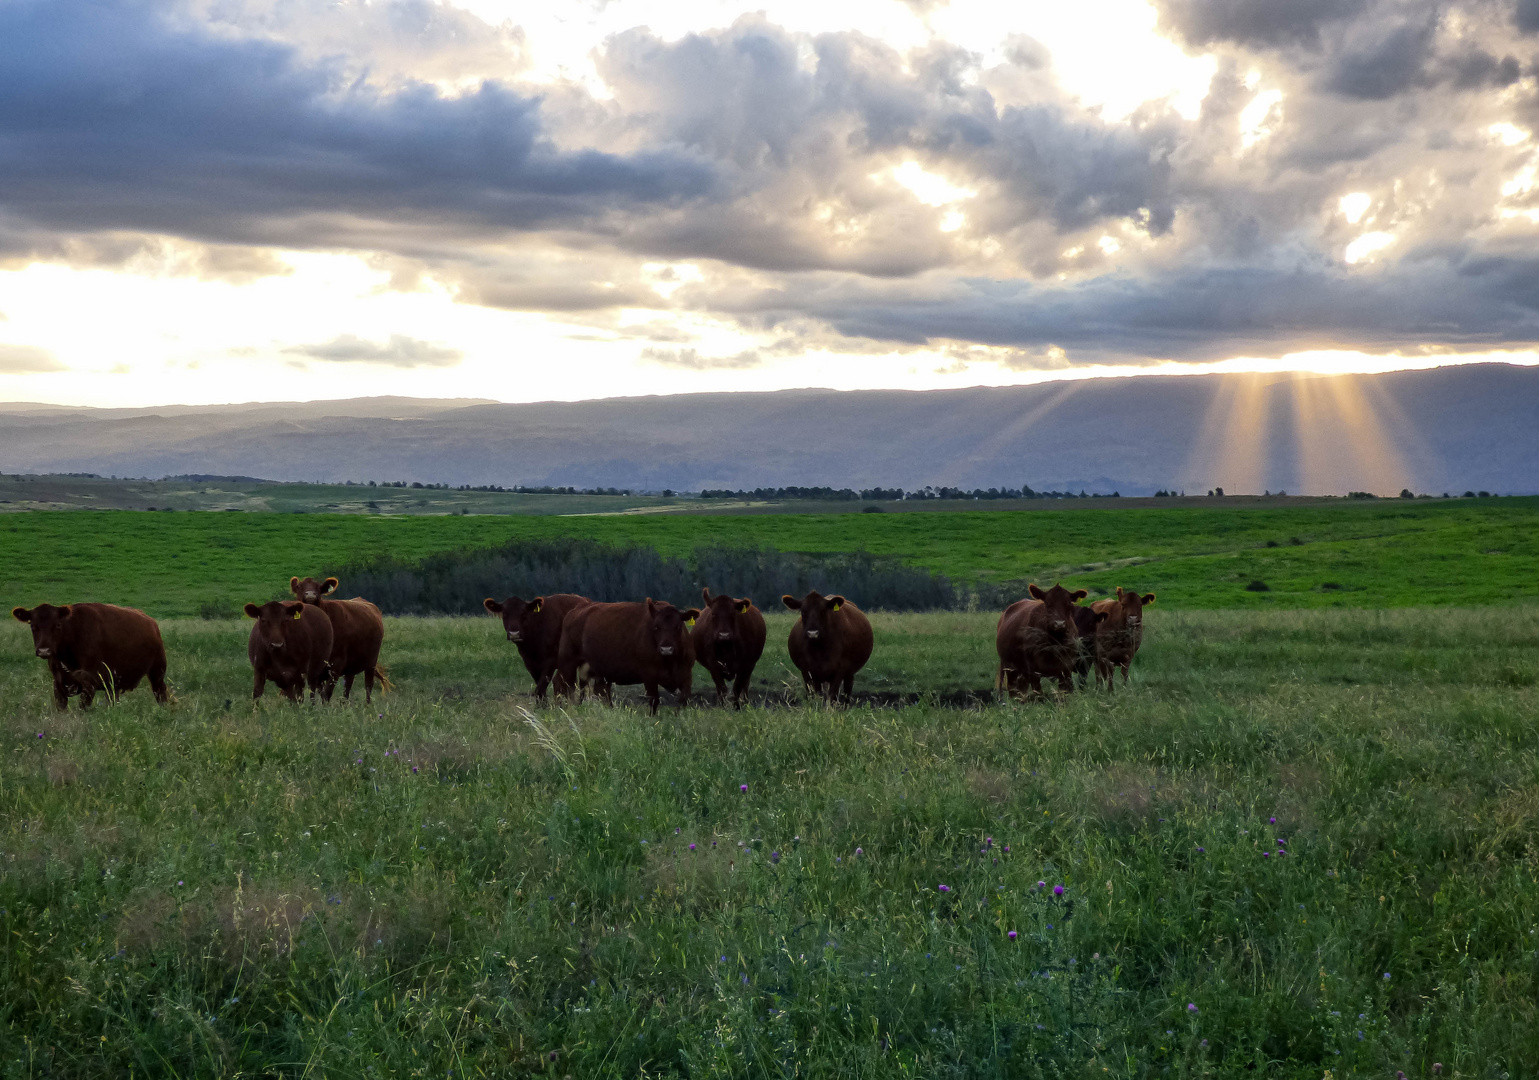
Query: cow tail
x,y
384,677
999,678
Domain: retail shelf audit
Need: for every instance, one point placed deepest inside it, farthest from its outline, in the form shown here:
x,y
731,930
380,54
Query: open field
x,y
1370,555
433,886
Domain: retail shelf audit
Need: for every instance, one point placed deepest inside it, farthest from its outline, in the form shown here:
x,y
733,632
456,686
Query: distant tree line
x,y
828,494
455,582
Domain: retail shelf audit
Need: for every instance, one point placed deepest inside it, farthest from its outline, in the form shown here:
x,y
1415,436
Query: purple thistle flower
x,y
1266,854
1386,974
1191,1006
945,888
1057,890
859,851
743,788
1041,884
988,841
1202,850
691,847
1011,935
414,768
1271,821
774,856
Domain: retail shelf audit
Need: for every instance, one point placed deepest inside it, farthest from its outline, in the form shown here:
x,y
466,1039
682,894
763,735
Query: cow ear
x,y
1101,616
836,602
66,611
690,615
743,605
329,585
296,611
21,614
1035,592
536,605
1078,594
293,585
252,611
491,605
1119,592
1148,598
705,593
791,602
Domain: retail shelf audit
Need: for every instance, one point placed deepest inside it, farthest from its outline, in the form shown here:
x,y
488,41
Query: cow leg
x,y
847,691
1126,664
539,687
652,696
60,691
88,682
292,690
721,684
158,685
739,688
258,684
347,684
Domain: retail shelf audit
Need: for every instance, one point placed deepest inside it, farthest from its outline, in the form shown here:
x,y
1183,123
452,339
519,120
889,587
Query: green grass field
x,y
435,887
1367,555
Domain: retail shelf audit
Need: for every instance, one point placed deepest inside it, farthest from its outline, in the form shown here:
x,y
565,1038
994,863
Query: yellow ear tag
x,y
300,614
689,623
838,606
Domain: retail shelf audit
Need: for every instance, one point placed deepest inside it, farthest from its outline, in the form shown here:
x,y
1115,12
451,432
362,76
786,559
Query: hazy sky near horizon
x,y
231,200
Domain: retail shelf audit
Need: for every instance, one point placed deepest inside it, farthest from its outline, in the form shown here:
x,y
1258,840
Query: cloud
x,y
690,360
27,360
400,351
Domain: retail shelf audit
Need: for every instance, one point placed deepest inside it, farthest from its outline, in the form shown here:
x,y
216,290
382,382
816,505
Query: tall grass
x,y
435,885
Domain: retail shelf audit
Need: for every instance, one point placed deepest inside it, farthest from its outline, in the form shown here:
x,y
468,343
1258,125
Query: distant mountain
x,y
1470,427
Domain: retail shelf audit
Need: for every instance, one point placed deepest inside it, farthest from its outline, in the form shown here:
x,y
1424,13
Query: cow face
x,y
668,627
1133,606
309,590
50,628
518,617
816,610
1060,609
275,619
724,611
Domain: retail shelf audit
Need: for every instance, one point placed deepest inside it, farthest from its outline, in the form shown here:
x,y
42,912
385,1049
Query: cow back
x,y
357,632
125,640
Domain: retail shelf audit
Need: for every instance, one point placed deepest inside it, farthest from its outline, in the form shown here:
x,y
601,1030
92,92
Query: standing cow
x,y
828,644
289,644
357,632
535,627
1118,634
729,639
1038,639
628,643
91,647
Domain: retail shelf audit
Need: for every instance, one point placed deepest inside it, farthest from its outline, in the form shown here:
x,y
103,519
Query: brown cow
x,y
729,639
628,643
289,644
535,627
357,631
91,647
828,644
1038,639
1119,634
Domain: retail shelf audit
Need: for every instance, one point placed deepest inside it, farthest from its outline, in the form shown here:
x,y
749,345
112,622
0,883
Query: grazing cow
x,y
828,644
289,644
357,631
627,643
91,647
1119,633
729,639
1038,639
535,627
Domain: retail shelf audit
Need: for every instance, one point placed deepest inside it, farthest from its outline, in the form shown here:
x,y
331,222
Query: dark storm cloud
x,y
1254,23
113,117
400,351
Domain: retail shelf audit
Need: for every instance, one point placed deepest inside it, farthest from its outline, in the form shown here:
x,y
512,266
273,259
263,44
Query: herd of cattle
x,y
572,644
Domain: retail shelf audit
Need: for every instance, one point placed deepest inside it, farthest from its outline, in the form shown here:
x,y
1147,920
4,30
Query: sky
x,y
233,200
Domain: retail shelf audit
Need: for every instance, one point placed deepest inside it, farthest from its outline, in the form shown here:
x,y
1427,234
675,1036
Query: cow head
x,y
1133,606
816,610
1060,609
724,610
50,628
309,590
668,627
518,617
275,618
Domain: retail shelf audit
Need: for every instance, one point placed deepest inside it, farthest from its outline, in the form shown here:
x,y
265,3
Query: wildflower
x,y
743,788
1011,935
675,832
945,888
39,734
1437,1067
723,959
1057,890
643,843
1191,1006
745,978
1203,1044
1202,851
1266,854
691,847
1049,926
1386,974
553,1055
1007,849
774,856
988,841
859,851
1271,821
1041,884
414,768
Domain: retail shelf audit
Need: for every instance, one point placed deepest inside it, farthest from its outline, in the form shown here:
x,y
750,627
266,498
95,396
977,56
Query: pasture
x,y
1388,553
1300,841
